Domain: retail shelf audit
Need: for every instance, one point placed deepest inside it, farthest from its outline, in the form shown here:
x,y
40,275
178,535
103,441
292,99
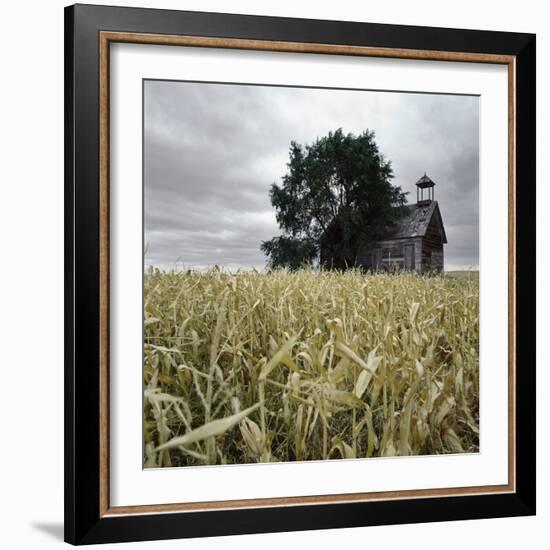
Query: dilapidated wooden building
x,y
415,243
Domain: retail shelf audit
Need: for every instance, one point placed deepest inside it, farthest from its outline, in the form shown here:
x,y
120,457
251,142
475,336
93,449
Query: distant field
x,y
463,274
255,367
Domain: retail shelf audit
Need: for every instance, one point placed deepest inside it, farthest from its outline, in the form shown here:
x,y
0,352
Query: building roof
x,y
424,182
416,220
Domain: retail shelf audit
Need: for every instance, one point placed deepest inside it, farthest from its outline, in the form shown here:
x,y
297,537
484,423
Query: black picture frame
x,y
84,523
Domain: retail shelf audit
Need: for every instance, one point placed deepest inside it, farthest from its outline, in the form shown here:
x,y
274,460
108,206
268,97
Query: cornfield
x,y
308,365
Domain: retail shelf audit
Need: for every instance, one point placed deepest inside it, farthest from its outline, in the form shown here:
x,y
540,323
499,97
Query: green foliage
x,y
292,253
336,195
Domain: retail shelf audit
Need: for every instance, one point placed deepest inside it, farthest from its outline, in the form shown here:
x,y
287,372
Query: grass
x,y
308,365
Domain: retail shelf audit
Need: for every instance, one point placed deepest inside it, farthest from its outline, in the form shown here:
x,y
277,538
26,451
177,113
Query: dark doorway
x,y
409,256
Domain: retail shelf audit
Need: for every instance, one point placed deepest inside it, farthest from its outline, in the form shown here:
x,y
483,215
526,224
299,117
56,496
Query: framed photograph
x,y
300,274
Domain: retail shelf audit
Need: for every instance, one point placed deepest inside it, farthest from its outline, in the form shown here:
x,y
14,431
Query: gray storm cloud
x,y
211,152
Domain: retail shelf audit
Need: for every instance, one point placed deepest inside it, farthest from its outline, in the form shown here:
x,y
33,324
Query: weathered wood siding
x,y
432,248
420,254
389,255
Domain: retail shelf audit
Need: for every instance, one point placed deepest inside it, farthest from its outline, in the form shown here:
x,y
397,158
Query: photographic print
x,y
311,274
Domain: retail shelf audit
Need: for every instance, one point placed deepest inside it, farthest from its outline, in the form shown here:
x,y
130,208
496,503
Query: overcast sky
x,y
211,152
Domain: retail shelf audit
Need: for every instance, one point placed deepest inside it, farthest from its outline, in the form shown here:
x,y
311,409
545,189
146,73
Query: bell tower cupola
x,y
424,190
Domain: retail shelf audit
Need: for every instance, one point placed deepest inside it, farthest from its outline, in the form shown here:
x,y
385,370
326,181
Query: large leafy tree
x,y
336,195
